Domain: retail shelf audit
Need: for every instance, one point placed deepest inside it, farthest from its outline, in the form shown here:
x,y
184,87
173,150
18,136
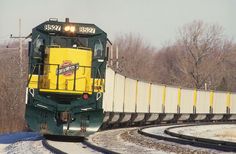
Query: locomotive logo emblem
x,y
67,68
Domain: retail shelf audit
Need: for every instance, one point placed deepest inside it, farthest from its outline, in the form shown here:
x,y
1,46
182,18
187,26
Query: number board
x,y
87,30
50,27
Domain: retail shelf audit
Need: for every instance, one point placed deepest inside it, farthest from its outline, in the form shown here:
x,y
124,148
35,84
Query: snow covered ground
x,y
73,147
31,143
22,142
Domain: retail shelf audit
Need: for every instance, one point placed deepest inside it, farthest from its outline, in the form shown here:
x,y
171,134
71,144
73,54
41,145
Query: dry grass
x,y
227,134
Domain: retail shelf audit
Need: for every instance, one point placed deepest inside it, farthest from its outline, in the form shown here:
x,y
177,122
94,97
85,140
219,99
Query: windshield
x,y
68,42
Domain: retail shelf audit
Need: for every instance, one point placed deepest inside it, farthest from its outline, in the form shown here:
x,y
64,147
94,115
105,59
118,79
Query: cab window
x,y
39,47
98,49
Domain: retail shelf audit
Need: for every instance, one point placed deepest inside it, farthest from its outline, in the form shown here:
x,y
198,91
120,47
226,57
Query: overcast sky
x,y
157,21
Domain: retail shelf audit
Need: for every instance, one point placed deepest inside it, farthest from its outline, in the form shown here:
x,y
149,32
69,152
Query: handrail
x,y
85,48
58,64
96,70
76,78
39,65
31,75
54,46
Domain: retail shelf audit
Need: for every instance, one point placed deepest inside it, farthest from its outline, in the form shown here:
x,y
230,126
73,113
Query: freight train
x,y
128,102
72,91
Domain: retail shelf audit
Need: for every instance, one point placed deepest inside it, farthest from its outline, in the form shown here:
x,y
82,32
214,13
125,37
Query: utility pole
x,y
20,48
20,37
111,58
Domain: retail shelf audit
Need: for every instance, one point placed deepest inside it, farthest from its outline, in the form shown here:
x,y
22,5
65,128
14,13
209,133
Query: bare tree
x,y
201,55
203,48
135,56
228,71
164,69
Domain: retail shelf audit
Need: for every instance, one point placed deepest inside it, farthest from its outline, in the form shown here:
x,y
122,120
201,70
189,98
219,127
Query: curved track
x,y
71,144
52,148
166,133
134,140
128,140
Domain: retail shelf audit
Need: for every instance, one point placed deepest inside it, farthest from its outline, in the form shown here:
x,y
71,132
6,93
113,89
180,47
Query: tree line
x,y
201,57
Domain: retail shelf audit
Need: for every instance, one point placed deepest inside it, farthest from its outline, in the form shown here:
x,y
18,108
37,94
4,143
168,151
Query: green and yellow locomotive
x,y
67,64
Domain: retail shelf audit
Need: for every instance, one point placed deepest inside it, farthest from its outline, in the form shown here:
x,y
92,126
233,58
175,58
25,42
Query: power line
x,y
3,49
10,51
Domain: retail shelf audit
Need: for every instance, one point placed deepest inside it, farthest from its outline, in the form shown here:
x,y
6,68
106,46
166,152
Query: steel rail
x,y
99,149
72,139
216,144
51,148
160,137
169,136
191,140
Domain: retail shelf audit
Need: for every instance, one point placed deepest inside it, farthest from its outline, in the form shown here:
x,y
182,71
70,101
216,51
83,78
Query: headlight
x,y
67,28
70,28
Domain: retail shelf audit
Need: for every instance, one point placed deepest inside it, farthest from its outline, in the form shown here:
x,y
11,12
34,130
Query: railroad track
x,y
128,140
166,133
73,144
140,140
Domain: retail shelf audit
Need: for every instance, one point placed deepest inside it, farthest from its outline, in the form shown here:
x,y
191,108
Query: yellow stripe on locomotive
x,y
67,70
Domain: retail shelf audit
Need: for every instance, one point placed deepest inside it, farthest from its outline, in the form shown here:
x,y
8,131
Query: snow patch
x,y
22,142
20,136
27,147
